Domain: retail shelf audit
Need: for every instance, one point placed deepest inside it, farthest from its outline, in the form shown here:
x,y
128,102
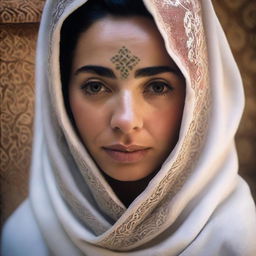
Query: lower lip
x,y
126,157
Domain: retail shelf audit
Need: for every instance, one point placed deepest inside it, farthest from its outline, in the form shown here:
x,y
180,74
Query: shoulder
x,y
21,235
231,229
234,223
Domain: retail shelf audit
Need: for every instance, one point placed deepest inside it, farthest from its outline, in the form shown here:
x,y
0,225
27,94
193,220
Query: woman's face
x,y
126,95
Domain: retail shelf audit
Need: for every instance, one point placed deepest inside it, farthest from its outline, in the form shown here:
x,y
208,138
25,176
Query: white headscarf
x,y
196,204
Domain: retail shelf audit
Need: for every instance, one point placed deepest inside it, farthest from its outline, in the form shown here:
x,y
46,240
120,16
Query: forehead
x,y
104,39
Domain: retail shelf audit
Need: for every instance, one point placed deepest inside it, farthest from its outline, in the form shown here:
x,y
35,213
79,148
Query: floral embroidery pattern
x,y
192,25
172,2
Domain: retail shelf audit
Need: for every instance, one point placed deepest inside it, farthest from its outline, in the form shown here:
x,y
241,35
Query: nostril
x,y
126,121
124,125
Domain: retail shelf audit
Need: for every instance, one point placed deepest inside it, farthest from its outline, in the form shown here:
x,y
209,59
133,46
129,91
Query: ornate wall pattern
x,y
21,11
17,49
19,22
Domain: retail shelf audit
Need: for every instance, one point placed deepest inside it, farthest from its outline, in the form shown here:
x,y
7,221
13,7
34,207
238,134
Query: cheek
x,y
165,124
88,118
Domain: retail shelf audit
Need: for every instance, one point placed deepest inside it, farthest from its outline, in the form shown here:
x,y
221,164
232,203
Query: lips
x,y
126,154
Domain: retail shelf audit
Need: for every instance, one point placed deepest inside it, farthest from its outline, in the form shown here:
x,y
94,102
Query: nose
x,y
126,116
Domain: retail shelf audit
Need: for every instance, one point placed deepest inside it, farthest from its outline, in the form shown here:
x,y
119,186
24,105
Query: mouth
x,y
126,154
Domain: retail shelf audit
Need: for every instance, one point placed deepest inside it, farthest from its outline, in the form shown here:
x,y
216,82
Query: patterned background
x,y
19,22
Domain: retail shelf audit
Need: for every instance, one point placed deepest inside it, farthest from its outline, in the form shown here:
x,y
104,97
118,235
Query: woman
x,y
137,107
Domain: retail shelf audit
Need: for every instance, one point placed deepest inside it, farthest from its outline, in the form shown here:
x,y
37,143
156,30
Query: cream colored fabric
x,y
196,204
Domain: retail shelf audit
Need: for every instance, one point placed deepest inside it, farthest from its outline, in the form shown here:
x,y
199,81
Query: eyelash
x,y
166,87
87,88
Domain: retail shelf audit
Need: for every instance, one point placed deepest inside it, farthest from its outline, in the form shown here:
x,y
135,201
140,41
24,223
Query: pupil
x,y
95,87
158,87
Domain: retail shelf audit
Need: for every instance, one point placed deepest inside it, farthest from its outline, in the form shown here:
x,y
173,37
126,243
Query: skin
x,y
140,113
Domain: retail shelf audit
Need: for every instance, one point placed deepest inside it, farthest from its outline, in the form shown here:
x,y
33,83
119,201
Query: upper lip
x,y
130,148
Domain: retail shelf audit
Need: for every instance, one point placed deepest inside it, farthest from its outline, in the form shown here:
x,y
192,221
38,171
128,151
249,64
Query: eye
x,y
158,87
94,87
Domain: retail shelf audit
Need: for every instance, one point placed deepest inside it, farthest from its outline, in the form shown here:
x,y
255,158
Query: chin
x,y
129,175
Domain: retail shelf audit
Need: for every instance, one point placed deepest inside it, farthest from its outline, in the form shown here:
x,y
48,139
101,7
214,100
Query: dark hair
x,y
80,20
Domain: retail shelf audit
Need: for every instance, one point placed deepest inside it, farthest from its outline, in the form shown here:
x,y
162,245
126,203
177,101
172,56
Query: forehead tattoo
x,y
125,61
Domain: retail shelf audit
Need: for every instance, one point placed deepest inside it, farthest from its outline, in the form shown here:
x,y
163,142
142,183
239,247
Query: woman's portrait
x,y
137,104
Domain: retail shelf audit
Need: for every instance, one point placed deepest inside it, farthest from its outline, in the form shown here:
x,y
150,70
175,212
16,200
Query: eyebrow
x,y
99,70
143,72
151,71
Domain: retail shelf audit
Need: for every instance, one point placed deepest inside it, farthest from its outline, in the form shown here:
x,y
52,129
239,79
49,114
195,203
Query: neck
x,y
127,191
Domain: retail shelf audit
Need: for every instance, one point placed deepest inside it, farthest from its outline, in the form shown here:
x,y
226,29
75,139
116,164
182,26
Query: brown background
x,y
19,22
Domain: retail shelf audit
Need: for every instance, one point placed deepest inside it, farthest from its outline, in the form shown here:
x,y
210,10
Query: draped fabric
x,y
196,204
